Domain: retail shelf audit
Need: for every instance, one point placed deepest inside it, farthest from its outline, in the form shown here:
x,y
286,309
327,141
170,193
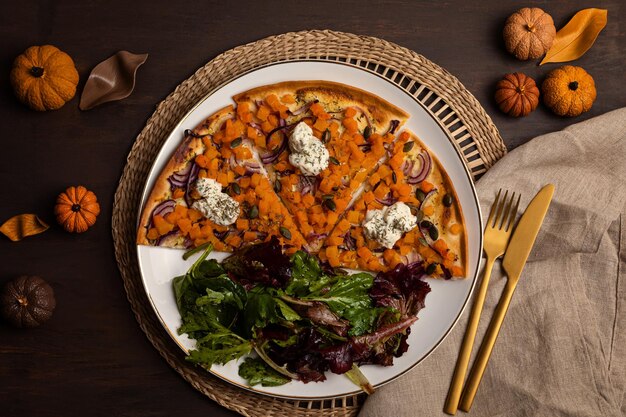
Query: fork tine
x,y
493,208
506,212
498,218
513,213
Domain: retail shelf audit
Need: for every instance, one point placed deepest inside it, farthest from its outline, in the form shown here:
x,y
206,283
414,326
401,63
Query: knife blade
x,y
526,232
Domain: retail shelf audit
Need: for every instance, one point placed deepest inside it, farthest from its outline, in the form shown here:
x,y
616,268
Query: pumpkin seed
x,y
334,160
330,205
394,177
253,213
235,187
419,214
367,132
285,232
327,197
433,232
326,136
235,143
422,241
408,146
278,186
335,188
420,195
426,224
447,200
430,269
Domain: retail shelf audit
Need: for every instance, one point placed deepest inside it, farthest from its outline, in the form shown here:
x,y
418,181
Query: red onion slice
x,y
308,185
428,196
388,200
257,127
393,126
174,183
220,235
349,242
424,170
168,238
252,168
269,158
193,175
163,209
446,272
303,109
179,179
407,167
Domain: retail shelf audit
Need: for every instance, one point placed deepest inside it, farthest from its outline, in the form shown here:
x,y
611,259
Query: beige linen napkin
x,y
562,347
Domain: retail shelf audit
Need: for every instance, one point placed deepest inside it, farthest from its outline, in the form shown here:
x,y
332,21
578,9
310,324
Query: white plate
x,y
444,303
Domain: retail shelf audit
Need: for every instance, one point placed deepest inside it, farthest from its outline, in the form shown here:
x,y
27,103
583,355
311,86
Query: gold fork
x,y
497,234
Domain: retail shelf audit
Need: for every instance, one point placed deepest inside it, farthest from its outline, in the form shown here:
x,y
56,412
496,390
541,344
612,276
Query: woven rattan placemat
x,y
440,92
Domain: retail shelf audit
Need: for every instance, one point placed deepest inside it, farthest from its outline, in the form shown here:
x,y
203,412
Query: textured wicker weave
x,y
456,109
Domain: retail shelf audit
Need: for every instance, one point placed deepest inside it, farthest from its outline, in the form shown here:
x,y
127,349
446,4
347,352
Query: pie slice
x,y
355,128
413,176
213,189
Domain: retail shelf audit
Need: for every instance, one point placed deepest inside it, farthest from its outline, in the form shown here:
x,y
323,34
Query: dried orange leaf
x,y
577,36
22,225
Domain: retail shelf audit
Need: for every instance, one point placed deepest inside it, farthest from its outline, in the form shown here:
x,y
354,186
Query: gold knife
x,y
514,260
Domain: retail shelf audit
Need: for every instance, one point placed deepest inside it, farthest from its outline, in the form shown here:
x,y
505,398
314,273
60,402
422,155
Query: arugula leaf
x,y
256,371
307,275
260,310
181,287
291,340
287,312
211,297
208,269
349,298
362,320
220,346
347,293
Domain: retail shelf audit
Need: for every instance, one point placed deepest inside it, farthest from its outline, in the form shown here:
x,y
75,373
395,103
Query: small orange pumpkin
x,y
517,94
568,91
76,209
529,33
44,77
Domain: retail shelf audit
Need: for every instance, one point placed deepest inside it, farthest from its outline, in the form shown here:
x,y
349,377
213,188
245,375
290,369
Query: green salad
x,y
295,318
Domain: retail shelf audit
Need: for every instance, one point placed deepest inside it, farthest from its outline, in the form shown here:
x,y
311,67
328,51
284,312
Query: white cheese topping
x,y
216,206
208,187
307,152
386,226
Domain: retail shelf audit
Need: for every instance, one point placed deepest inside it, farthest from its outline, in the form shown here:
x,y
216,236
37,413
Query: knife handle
x,y
456,386
480,364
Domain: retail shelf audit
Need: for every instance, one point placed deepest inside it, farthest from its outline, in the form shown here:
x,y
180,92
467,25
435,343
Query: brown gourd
x,y
27,301
44,77
76,209
529,33
517,94
568,91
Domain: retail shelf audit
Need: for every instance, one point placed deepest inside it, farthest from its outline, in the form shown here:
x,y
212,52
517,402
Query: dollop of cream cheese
x,y
215,205
386,226
308,153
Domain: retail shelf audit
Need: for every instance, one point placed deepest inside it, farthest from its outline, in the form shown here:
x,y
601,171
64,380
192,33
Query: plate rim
x,y
458,153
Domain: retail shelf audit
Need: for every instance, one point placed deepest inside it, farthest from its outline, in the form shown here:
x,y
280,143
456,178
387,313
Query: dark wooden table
x,y
92,358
